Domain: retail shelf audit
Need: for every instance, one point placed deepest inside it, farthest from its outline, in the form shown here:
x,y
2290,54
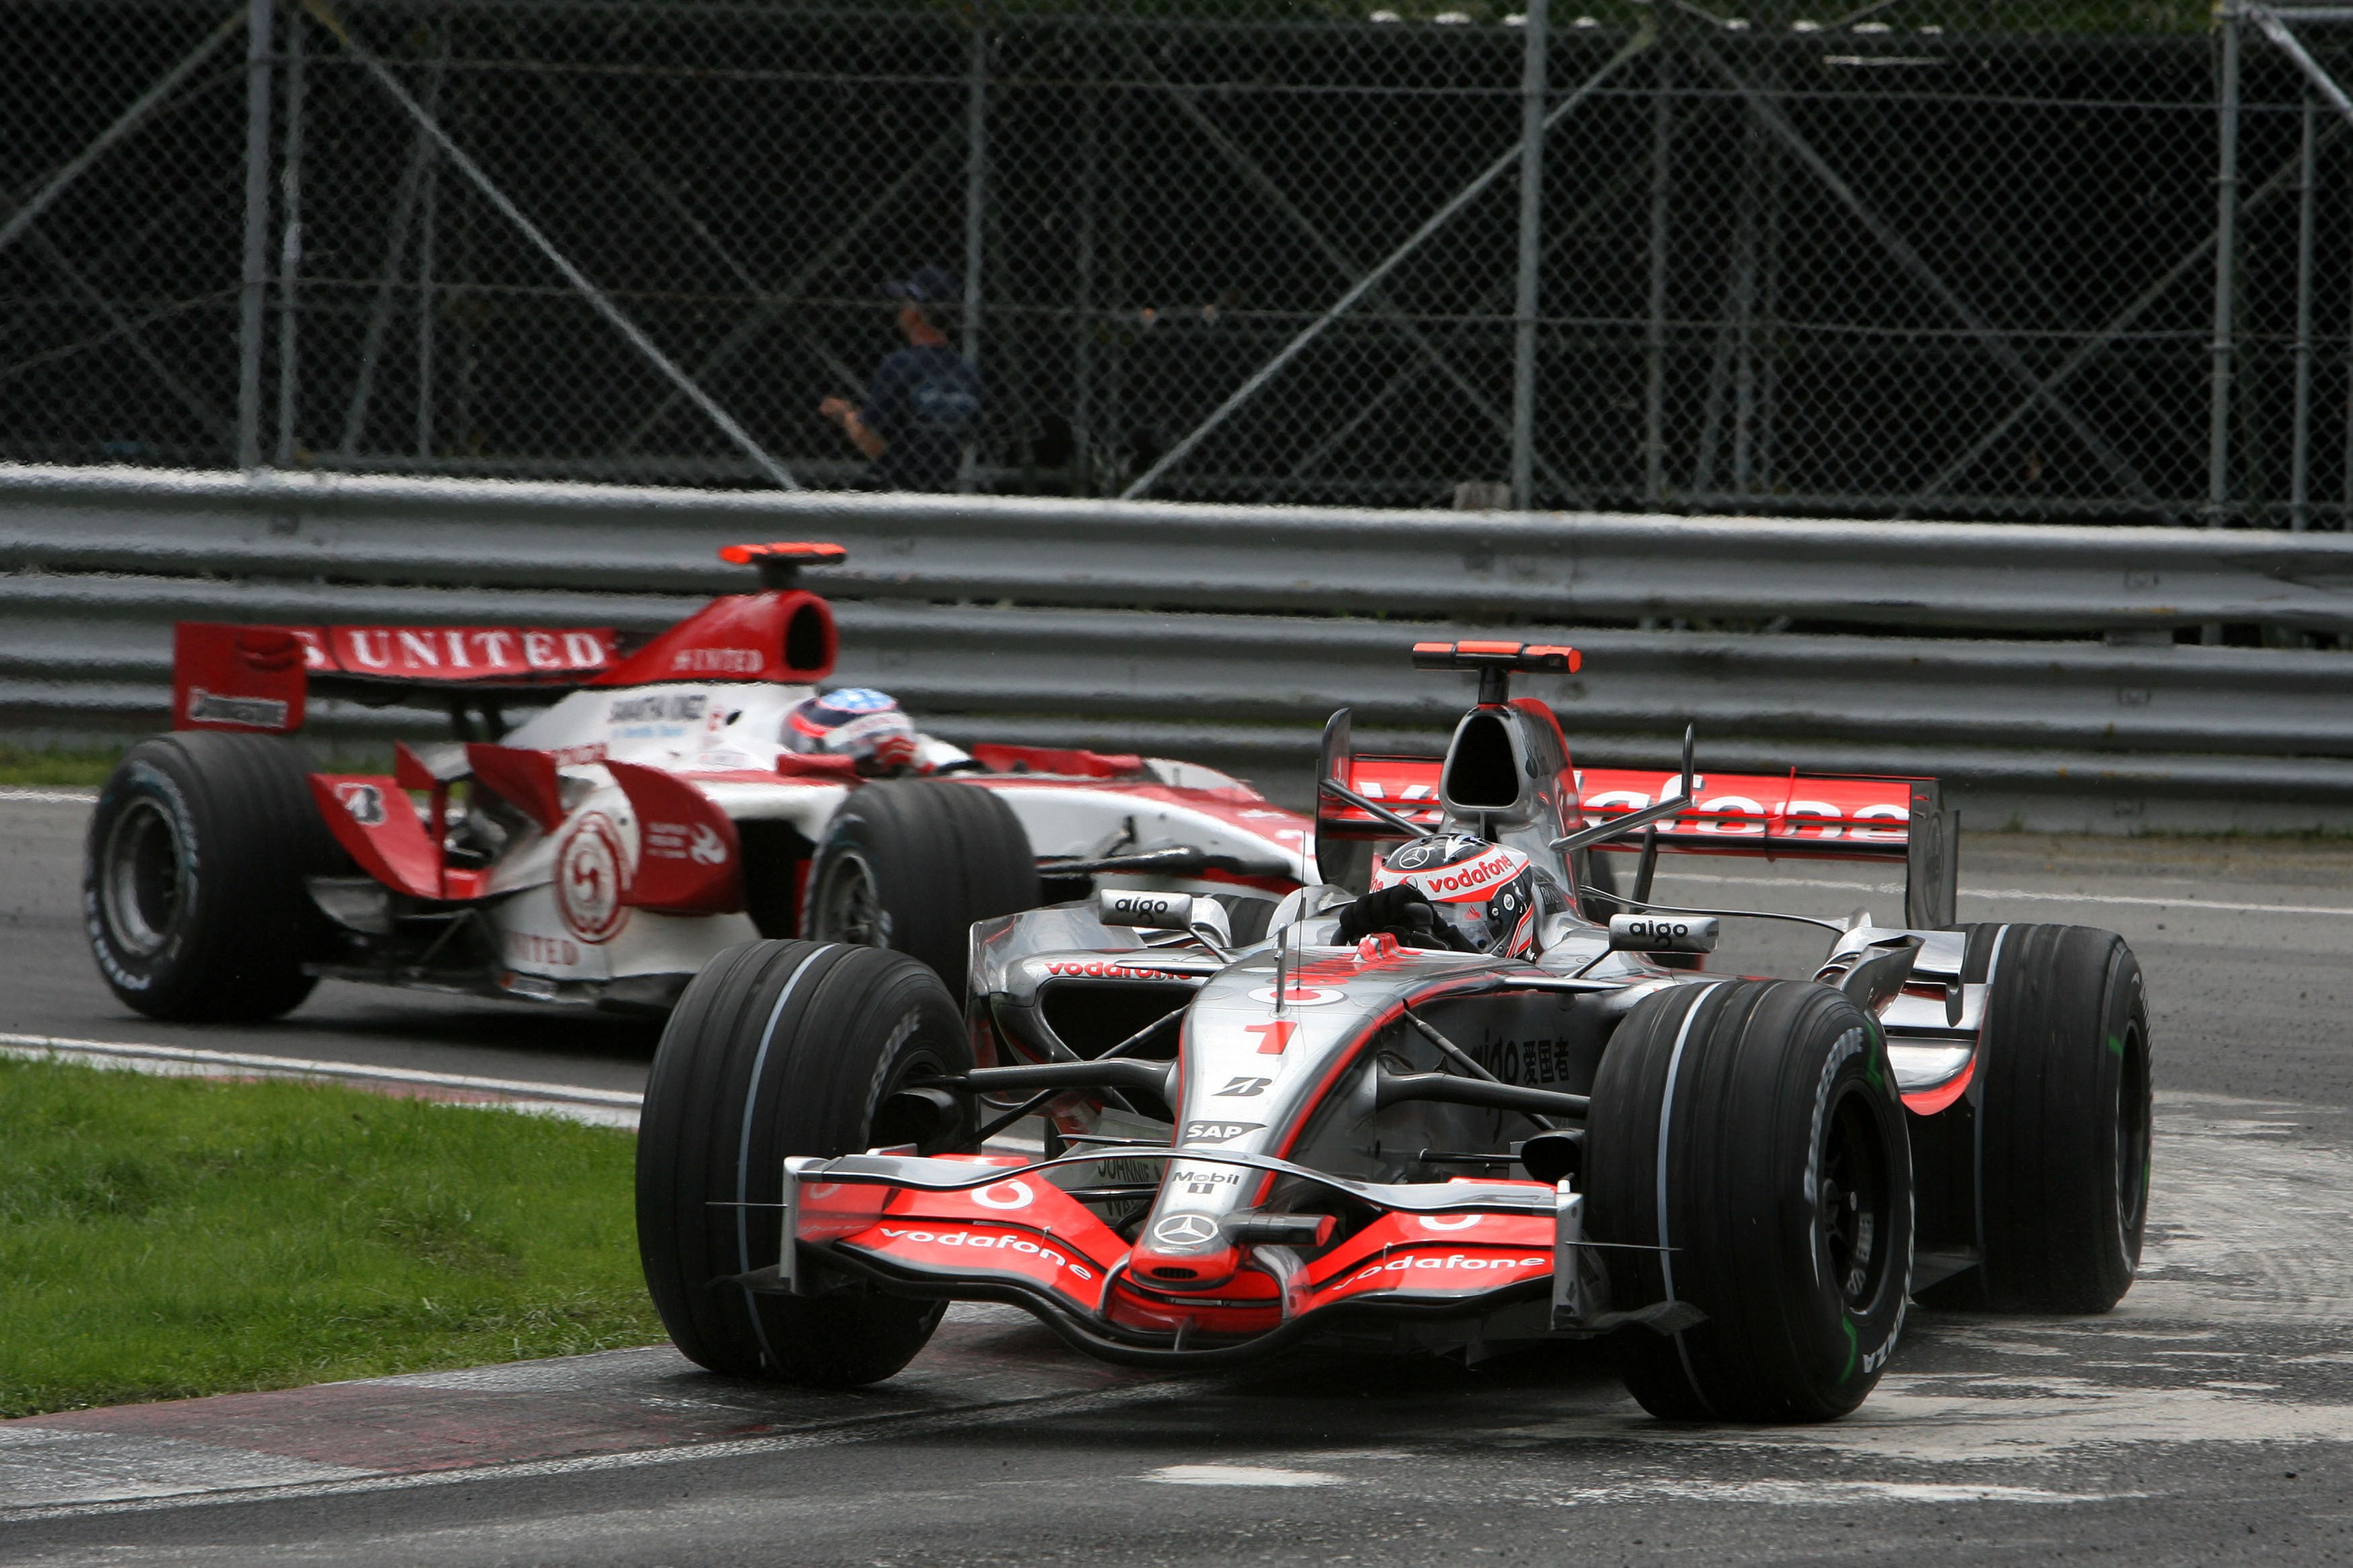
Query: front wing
x,y
994,1227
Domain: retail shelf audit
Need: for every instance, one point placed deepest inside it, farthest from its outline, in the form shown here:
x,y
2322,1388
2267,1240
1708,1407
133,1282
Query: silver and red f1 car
x,y
1437,1109
665,801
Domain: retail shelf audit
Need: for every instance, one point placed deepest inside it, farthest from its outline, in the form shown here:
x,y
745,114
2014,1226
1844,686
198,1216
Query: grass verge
x,y
165,1237
84,767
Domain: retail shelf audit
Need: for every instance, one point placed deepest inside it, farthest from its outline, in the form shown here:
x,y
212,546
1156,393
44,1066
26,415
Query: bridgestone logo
x,y
261,713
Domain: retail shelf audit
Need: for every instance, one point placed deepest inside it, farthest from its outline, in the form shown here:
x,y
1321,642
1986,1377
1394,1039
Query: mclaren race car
x,y
1432,1107
665,801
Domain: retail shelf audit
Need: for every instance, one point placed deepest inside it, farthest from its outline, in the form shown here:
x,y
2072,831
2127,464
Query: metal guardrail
x,y
1555,567
105,560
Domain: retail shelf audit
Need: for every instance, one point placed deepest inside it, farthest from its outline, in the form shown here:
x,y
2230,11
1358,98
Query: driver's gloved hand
x,y
1402,912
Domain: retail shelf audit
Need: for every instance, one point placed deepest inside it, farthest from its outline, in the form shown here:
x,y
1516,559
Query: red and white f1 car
x,y
1438,1109
665,803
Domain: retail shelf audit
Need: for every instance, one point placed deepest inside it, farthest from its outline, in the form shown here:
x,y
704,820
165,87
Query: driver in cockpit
x,y
1451,891
868,729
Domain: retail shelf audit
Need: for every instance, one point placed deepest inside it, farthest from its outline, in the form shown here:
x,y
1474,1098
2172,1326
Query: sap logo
x,y
1243,1088
1219,1131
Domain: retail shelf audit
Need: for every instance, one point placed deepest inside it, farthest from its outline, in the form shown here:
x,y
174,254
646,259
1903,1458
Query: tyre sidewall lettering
x,y
1861,1342
142,780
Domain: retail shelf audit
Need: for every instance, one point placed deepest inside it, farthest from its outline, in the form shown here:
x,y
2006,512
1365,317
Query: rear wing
x,y
260,678
1826,816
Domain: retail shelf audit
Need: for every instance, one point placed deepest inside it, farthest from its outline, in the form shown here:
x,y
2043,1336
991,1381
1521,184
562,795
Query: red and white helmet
x,y
1482,892
857,723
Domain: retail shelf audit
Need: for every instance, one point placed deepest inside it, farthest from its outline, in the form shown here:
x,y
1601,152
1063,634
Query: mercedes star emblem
x,y
1186,1230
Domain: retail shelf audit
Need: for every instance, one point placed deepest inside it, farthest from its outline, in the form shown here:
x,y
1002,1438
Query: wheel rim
x,y
2132,1135
141,887
1857,1217
849,908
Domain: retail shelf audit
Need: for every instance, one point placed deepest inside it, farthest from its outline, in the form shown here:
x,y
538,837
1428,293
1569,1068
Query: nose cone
x,y
1184,1250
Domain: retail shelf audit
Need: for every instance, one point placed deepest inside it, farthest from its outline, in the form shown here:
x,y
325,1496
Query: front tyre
x,y
192,891
780,1049
1747,1149
2064,1122
910,864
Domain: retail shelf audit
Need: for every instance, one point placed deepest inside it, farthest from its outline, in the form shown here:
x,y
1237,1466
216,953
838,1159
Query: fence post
x,y
260,14
2300,462
1663,131
975,198
290,253
2226,220
1524,348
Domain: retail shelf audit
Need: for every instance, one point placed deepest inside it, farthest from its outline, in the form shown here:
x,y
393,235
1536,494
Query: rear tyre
x,y
1752,1127
780,1049
193,893
2063,1118
910,864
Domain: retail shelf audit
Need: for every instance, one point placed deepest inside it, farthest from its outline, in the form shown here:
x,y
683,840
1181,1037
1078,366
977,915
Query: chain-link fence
x,y
1923,258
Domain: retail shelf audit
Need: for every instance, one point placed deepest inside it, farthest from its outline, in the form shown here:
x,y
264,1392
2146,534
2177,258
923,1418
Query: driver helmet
x,y
864,725
1483,893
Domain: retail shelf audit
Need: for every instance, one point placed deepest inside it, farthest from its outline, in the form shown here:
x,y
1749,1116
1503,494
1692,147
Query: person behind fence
x,y
925,399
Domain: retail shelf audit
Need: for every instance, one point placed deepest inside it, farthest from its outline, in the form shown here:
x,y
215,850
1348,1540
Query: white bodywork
x,y
563,934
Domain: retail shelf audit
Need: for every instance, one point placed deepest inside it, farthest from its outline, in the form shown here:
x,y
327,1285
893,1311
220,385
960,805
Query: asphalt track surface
x,y
2210,1417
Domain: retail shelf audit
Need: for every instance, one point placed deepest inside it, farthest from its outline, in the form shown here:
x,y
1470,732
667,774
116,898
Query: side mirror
x,y
1662,933
1150,910
1154,912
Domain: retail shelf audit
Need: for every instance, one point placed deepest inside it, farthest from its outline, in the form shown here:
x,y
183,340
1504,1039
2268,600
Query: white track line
x,y
616,1106
49,796
900,1425
2191,905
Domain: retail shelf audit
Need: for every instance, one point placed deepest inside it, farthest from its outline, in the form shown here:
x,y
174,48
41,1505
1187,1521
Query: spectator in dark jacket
x,y
925,399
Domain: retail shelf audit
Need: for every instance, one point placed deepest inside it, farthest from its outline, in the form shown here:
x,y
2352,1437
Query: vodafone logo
x,y
1298,995
1494,866
588,879
1098,969
1464,879
1005,1195
988,1241
1452,1262
1448,1222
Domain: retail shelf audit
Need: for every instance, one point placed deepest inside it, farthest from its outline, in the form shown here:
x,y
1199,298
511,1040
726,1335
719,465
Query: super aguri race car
x,y
1432,1107
666,800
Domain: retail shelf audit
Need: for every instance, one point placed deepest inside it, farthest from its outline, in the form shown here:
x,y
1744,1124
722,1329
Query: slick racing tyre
x,y
780,1049
910,864
2063,1109
1746,1153
193,871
